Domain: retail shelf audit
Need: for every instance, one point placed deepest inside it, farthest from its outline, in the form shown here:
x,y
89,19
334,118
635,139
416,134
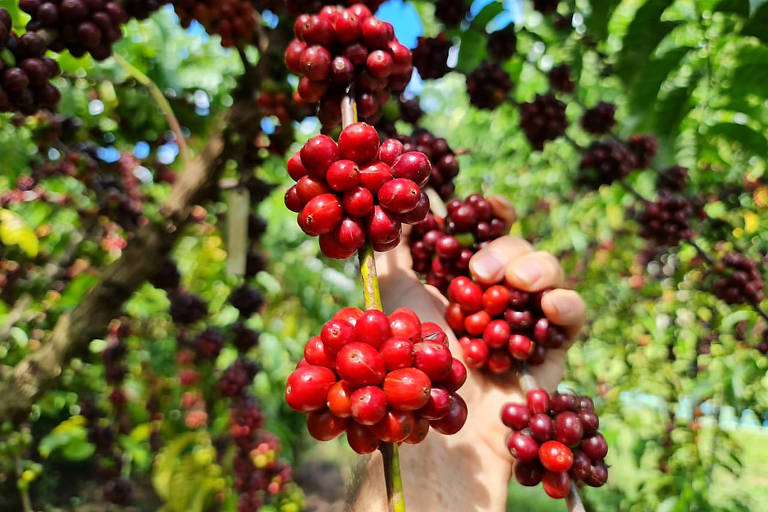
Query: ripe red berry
x,y
522,446
379,64
359,142
316,354
518,320
541,427
476,323
589,422
598,475
339,396
397,353
455,419
414,166
448,247
360,364
321,215
350,234
368,405
467,294
375,175
308,188
595,447
495,300
520,347
318,154
405,324
361,439
399,195
456,378
499,362
342,175
555,456
347,26
324,426
407,389
307,388
581,465
376,33
293,55
568,428
395,427
438,405
292,200
389,150
420,431
515,416
430,331
358,202
315,63
529,474
455,317
538,401
382,227
556,485
373,328
432,358
496,334
336,333
295,168
349,314
475,353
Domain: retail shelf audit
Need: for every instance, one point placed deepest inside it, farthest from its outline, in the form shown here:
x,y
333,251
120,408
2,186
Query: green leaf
x,y
740,7
13,231
757,25
751,74
486,15
645,32
597,21
645,88
750,140
471,51
77,449
673,108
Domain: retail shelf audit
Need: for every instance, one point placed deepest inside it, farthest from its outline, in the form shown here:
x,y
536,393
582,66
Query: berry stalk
x,y
372,298
528,383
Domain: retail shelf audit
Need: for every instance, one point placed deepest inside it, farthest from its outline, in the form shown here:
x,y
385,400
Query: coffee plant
x,y
174,337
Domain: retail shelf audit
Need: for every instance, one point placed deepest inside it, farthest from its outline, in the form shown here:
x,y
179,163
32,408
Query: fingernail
x,y
527,272
487,265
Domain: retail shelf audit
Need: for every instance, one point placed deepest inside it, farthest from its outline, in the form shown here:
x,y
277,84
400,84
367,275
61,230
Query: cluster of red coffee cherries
x,y
445,165
378,378
605,162
555,440
739,281
357,190
430,57
560,78
500,325
543,119
667,220
25,72
80,26
233,20
339,47
441,248
488,86
599,119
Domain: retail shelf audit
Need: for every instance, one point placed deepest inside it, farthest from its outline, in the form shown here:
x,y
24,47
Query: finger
x,y
488,265
534,271
503,208
397,259
565,308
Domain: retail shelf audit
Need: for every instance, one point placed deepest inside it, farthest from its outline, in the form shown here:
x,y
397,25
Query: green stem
x,y
395,496
162,102
371,293
26,502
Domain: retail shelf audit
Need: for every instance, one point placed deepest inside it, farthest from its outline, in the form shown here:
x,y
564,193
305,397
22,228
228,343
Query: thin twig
x,y
161,101
26,502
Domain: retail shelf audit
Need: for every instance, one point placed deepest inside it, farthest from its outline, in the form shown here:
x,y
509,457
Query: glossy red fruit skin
x,y
321,215
349,314
589,422
373,328
347,27
350,234
382,227
361,439
332,248
520,347
293,55
499,362
581,465
476,323
586,404
295,168
475,353
455,419
397,353
556,485
598,475
432,358
310,91
359,142
308,188
342,175
307,388
595,447
317,154
438,405
376,33
402,61
379,64
375,175
455,317
430,331
389,150
515,416
342,70
315,354
413,165
419,432
360,364
456,378
538,401
555,456
523,447
407,389
568,428
469,296
560,402
495,300
496,334
541,427
368,405
405,324
358,202
315,63
292,200
399,195
336,333
518,320
324,426
395,427
419,211
339,399
528,474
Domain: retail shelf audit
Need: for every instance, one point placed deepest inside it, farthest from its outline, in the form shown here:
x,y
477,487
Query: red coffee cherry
x,y
454,419
307,388
339,399
368,405
556,485
360,364
324,426
395,427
